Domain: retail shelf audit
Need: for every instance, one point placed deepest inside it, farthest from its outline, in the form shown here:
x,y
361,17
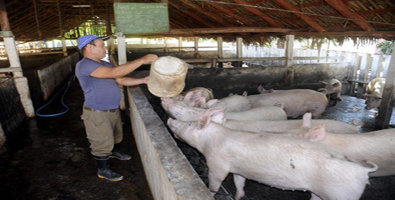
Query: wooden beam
x,y
227,30
345,11
387,101
208,14
191,15
230,13
36,12
377,34
305,18
261,14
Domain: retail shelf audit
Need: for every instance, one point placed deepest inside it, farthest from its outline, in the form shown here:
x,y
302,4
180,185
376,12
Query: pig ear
x,y
307,120
204,119
337,84
230,94
218,115
322,90
323,82
261,89
188,96
197,102
245,93
211,102
317,133
279,104
196,94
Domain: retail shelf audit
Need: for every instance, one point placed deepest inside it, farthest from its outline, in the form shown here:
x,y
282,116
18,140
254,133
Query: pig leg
x,y
239,182
317,112
215,178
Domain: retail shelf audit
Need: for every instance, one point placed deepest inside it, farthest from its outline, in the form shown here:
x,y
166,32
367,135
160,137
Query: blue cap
x,y
84,40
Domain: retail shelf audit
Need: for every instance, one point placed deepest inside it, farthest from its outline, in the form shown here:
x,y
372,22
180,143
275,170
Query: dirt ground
x,y
49,158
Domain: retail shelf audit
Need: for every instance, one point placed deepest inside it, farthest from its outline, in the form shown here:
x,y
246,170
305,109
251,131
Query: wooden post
x,y
289,51
387,101
368,67
62,28
122,59
110,42
179,44
239,50
380,68
220,47
13,57
196,44
354,77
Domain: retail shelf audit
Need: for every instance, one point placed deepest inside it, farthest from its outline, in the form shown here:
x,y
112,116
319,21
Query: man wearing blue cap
x,y
99,81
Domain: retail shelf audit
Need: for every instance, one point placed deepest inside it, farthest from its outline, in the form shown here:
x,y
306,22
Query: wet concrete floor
x,y
49,158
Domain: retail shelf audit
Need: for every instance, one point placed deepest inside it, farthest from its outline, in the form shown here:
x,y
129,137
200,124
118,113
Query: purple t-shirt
x,y
100,93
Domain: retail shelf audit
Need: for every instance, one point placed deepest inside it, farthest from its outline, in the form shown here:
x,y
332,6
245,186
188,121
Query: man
x,y
101,115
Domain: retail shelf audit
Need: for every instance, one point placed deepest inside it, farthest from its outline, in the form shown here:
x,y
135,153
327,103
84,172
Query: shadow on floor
x,y
49,158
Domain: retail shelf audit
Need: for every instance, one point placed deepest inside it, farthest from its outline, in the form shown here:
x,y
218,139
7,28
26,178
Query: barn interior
x,y
49,158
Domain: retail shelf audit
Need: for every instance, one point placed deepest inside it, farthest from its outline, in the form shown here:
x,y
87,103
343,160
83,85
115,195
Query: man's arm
x,y
122,70
128,81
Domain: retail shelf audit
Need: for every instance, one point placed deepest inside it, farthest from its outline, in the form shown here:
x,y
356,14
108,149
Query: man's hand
x,y
145,80
149,58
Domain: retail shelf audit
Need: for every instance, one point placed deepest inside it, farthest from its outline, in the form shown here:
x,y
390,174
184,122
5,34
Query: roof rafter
x,y
354,17
215,18
305,18
230,13
192,15
259,13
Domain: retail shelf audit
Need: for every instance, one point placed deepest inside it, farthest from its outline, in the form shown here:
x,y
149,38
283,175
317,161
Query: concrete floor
x,y
49,158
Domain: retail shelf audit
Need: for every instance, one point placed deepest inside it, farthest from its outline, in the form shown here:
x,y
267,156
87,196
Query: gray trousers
x,y
103,130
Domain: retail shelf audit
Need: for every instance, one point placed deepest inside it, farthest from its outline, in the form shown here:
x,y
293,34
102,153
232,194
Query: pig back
x,y
375,86
296,102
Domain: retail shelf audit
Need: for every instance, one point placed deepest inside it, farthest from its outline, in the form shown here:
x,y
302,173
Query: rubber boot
x,y
104,171
118,155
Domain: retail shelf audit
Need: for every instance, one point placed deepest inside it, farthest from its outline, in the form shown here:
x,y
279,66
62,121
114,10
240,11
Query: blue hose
x,y
67,108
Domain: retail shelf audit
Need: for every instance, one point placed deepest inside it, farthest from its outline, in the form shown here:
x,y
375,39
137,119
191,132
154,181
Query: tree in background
x,y
386,47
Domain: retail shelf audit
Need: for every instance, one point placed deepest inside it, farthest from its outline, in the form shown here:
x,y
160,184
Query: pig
x,y
376,146
195,93
296,102
278,160
233,103
334,87
374,91
165,102
262,90
285,125
185,113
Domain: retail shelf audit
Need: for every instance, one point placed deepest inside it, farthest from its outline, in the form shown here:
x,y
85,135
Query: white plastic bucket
x,y
167,76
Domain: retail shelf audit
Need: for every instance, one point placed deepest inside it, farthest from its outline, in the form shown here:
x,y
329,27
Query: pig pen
x,y
177,171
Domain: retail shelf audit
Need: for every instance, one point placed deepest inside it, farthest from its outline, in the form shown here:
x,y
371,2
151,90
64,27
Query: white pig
x,y
296,102
285,125
374,92
262,90
233,103
334,87
278,160
165,102
197,92
376,146
185,113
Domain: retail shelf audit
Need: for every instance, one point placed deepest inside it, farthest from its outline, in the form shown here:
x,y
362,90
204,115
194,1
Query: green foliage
x,y
386,47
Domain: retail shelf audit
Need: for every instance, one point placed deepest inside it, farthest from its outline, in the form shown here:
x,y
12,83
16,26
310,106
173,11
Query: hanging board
x,y
136,18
